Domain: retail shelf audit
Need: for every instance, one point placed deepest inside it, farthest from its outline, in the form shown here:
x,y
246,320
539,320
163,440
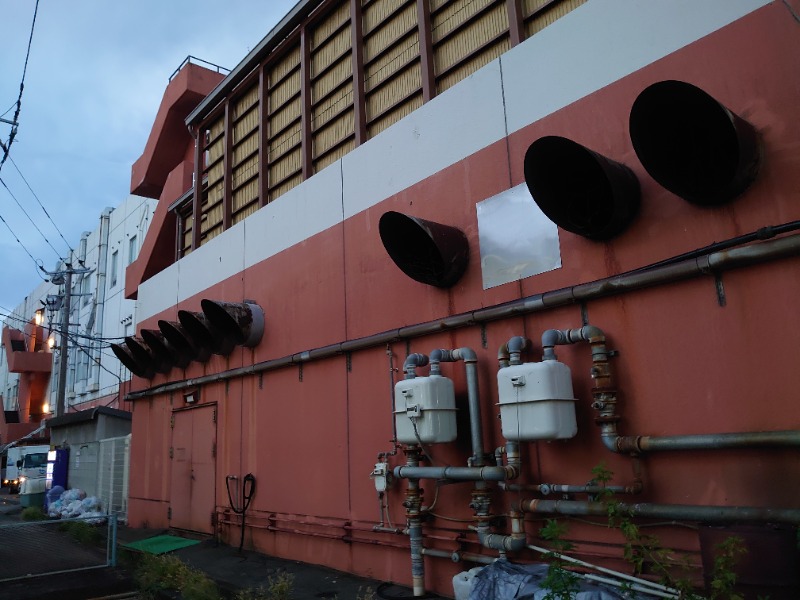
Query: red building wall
x,y
311,432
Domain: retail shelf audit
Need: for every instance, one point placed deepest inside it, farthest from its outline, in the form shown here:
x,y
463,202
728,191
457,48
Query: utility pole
x,y
62,368
64,276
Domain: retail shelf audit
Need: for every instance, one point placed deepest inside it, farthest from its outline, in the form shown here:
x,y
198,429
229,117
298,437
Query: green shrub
x,y
82,532
156,574
33,513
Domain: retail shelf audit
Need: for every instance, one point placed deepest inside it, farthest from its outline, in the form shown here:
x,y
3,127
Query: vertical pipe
x,y
100,294
413,504
62,363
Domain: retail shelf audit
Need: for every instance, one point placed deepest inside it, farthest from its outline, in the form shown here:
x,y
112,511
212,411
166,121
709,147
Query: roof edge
x,y
276,35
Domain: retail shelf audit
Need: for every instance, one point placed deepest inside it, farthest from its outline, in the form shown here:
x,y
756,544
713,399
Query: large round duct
x,y
144,355
125,356
427,252
163,350
692,145
182,342
243,322
580,190
204,333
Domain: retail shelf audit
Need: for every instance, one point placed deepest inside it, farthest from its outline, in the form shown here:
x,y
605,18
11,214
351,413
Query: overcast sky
x,y
96,74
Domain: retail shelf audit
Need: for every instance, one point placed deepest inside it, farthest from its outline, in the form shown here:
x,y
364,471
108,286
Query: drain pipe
x,y
470,358
413,505
605,402
684,512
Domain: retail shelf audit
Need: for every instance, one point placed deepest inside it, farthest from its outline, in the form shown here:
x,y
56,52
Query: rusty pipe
x,y
684,512
629,281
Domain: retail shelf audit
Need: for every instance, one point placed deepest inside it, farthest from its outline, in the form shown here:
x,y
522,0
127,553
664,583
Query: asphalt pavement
x,y
231,570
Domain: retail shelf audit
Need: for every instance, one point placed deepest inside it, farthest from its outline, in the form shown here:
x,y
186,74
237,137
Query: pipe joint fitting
x,y
412,362
516,346
468,355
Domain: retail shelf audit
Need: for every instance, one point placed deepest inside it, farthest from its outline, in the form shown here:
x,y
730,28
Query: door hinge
x,y
172,422
171,452
214,415
214,449
169,513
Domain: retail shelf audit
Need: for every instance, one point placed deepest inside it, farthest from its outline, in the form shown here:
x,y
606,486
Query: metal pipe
x,y
470,359
412,362
702,513
581,563
413,504
457,473
505,543
458,556
629,281
558,488
717,441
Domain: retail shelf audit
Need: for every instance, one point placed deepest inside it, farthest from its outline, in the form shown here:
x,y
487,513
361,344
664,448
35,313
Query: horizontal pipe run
x,y
459,556
686,512
599,569
624,282
457,473
756,439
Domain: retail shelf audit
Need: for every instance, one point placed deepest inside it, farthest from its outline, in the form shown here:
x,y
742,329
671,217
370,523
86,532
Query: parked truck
x,y
26,465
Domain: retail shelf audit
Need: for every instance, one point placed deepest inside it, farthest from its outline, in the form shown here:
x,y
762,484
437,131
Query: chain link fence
x,y
32,548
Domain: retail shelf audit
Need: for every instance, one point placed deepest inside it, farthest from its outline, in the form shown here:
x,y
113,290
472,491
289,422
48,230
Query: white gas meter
x,y
425,410
537,401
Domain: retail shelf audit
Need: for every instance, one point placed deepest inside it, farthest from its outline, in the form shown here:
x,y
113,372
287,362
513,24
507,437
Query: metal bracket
x,y
720,289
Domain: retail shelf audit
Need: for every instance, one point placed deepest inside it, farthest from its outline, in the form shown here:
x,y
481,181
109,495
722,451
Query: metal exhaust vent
x,y
182,342
163,350
144,355
692,145
204,333
125,356
427,252
580,190
242,323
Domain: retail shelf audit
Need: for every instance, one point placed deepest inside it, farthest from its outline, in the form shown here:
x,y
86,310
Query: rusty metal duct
x,y
163,350
427,252
182,342
580,190
125,356
243,322
204,333
692,145
144,355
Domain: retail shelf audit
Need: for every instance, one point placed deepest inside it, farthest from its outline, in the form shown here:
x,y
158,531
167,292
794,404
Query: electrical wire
x,y
44,210
13,134
25,212
14,235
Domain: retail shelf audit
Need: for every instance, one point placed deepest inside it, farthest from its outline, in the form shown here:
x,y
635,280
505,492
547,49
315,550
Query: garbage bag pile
x,y
69,504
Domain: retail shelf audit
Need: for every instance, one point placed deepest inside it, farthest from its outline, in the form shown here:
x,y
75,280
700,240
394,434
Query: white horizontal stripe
x,y
596,44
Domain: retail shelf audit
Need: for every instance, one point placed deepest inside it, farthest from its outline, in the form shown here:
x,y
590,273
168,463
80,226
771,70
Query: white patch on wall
x,y
517,240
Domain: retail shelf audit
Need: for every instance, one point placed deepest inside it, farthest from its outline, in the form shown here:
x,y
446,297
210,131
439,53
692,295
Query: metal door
x,y
192,493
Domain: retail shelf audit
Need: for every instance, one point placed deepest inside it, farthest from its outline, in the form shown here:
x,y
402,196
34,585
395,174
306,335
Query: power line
x,y
7,147
25,212
14,235
72,251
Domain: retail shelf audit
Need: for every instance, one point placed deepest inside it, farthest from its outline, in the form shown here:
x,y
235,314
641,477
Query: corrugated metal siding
x,y
185,220
548,16
284,110
332,121
211,208
392,77
245,174
467,34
